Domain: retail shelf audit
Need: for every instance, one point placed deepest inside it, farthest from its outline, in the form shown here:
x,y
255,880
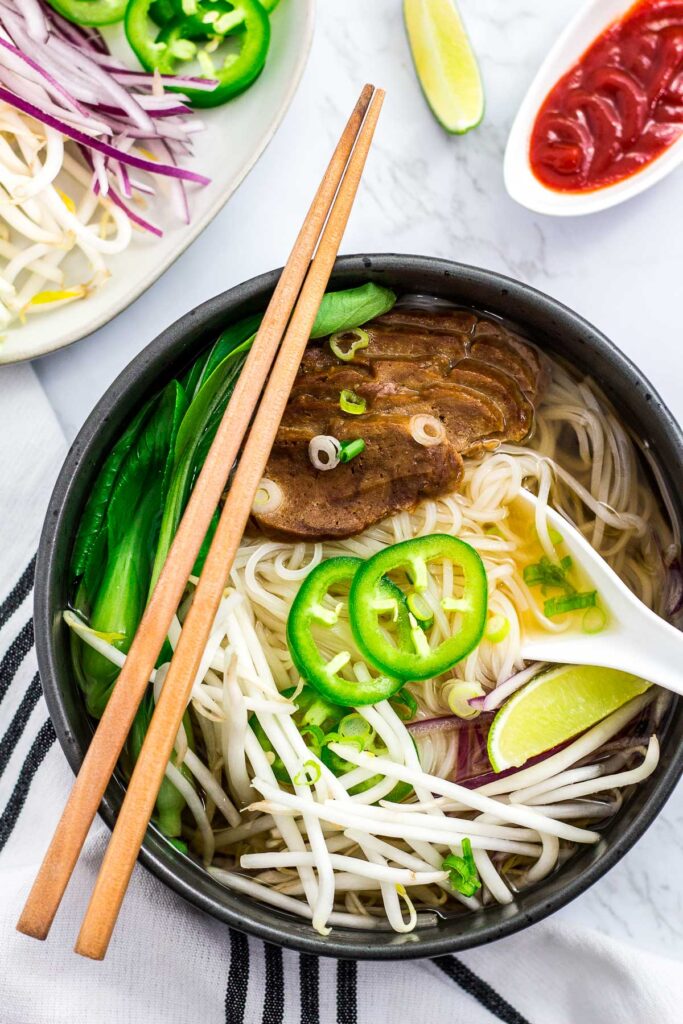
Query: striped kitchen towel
x,y
170,964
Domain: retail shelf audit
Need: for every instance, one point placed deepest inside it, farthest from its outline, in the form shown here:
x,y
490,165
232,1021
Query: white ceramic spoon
x,y
634,639
520,181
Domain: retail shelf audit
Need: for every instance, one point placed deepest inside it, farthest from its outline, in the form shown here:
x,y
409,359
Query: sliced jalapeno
x,y
412,657
195,35
308,610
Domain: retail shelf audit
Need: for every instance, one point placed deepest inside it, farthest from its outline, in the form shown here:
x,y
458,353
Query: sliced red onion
x,y
124,180
494,698
63,76
674,589
445,723
35,19
133,216
49,79
482,778
99,146
118,93
172,81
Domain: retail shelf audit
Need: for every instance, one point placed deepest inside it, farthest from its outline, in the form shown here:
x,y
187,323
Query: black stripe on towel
x,y
18,723
19,593
274,996
39,748
309,983
347,997
479,989
238,979
15,654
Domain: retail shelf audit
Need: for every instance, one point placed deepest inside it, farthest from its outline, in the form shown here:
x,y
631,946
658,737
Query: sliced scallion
x,y
594,620
356,339
420,641
497,628
420,609
549,574
313,737
309,774
571,603
352,403
404,704
356,727
349,449
463,875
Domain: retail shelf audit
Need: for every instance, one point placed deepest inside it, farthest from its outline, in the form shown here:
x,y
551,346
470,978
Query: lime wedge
x,y
555,706
445,64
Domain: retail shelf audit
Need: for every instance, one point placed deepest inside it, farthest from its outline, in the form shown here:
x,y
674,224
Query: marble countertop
x,y
426,192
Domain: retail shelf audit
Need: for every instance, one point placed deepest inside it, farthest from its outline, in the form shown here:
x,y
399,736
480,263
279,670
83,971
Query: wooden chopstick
x,y
107,743
148,774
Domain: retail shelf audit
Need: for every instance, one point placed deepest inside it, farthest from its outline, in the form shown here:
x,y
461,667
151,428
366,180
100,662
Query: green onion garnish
x,y
404,704
354,726
549,574
594,620
349,449
310,773
316,737
420,642
352,403
497,628
463,875
420,609
571,603
336,737
179,845
358,339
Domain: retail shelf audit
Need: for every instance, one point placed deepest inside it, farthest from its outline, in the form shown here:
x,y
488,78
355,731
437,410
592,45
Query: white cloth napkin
x,y
170,964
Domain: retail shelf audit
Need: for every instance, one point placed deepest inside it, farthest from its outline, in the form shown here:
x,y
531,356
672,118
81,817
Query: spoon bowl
x,y
520,181
634,639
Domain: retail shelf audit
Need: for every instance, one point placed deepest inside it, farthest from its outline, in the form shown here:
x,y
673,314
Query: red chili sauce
x,y
619,107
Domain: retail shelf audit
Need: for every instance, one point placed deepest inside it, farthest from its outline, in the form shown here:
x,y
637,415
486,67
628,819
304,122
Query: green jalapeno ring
x,y
232,78
308,609
412,660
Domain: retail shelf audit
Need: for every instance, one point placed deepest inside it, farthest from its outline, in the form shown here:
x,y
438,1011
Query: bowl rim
x,y
182,874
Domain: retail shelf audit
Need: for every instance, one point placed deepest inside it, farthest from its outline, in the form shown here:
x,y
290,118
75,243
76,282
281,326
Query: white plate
x,y
235,137
520,181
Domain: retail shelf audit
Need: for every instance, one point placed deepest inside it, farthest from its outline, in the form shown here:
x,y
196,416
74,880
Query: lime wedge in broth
x,y
555,706
445,63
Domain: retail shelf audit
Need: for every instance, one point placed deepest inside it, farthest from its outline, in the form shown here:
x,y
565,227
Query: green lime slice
x,y
445,63
555,706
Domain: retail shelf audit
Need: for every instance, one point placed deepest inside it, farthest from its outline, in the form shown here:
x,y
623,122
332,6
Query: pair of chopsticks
x,y
284,332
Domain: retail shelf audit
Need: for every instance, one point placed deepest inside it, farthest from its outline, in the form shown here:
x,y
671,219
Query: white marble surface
x,y
425,192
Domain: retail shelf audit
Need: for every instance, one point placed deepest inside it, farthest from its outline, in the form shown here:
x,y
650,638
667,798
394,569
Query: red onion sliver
x,y
134,217
71,100
101,147
446,723
495,697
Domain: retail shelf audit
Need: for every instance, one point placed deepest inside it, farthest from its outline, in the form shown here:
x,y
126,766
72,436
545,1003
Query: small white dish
x,y
235,137
520,181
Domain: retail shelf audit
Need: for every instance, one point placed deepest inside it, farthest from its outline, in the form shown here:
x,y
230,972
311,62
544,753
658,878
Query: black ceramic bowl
x,y
554,328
